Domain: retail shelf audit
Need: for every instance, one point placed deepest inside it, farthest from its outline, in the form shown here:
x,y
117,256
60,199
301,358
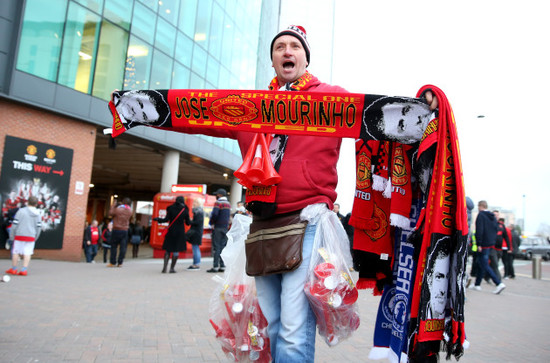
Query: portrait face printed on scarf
x,y
289,59
137,106
143,107
404,122
438,282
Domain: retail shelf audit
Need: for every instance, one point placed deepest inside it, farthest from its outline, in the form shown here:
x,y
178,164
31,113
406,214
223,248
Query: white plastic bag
x,y
235,313
330,289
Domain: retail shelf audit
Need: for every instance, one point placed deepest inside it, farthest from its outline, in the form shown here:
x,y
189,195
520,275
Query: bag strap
x,y
173,220
277,232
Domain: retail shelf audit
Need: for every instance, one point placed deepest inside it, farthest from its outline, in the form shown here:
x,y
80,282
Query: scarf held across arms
x,y
362,117
270,112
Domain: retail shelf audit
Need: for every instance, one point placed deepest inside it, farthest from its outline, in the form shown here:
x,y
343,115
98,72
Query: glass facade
x,y
96,46
41,38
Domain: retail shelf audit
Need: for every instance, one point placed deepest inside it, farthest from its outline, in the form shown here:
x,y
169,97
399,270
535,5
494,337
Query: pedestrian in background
x,y
106,240
507,252
177,215
24,232
121,213
4,234
336,209
91,239
486,235
136,237
194,235
516,239
472,247
219,220
496,254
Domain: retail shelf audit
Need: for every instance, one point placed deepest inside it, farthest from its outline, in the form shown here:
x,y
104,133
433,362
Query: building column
x,y
170,171
235,194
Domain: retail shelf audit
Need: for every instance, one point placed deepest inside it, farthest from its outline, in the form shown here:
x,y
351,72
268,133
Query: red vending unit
x,y
161,201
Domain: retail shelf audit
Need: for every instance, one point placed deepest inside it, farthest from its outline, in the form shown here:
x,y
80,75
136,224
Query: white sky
x,y
491,58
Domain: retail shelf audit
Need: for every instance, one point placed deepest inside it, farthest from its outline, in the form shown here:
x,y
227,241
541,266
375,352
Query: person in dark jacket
x,y
121,213
136,235
91,239
106,240
486,235
177,215
219,220
194,235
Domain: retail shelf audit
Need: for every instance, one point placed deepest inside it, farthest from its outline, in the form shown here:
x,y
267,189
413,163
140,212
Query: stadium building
x,y
59,62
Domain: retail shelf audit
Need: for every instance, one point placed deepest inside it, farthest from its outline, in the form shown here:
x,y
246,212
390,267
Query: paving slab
x,y
80,312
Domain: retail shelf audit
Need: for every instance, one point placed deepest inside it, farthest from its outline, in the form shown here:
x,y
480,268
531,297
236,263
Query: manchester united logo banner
x,y
32,168
305,113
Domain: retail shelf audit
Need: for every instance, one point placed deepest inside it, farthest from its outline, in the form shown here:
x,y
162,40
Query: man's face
x,y
336,208
138,108
440,278
289,59
405,122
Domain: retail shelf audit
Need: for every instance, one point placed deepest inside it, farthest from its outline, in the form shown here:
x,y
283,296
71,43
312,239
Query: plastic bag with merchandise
x,y
330,289
234,311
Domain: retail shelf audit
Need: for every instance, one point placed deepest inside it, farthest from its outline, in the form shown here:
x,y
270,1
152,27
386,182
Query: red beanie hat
x,y
296,31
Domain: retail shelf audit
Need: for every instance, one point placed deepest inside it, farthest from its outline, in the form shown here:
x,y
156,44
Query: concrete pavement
x,y
78,312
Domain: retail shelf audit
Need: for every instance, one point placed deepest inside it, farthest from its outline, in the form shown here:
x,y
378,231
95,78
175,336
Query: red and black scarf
x,y
441,231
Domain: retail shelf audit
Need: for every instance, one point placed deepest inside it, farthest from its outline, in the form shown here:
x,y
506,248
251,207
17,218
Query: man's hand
x,y
431,99
113,95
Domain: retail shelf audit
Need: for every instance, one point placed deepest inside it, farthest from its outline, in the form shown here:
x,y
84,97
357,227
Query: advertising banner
x,y
31,168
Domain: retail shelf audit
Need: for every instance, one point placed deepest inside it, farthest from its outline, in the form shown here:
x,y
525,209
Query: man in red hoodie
x,y
307,167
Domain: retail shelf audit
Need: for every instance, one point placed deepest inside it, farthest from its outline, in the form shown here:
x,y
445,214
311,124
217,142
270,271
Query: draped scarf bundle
x,y
387,131
437,310
383,196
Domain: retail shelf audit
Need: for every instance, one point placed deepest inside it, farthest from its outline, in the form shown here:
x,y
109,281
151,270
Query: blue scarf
x,y
392,321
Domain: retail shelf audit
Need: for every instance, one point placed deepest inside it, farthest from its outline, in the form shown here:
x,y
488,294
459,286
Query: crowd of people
x,y
114,235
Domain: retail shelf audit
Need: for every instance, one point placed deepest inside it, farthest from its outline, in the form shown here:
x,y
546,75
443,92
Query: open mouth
x,y
288,65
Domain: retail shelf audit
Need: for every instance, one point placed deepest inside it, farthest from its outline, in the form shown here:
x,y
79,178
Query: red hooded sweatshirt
x,y
308,169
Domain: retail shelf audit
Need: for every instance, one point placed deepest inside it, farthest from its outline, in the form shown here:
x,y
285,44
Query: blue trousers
x,y
91,252
118,239
219,240
484,268
291,321
196,255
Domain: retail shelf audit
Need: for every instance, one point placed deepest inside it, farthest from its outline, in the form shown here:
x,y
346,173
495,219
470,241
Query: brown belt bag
x,y
274,245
